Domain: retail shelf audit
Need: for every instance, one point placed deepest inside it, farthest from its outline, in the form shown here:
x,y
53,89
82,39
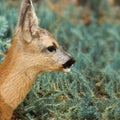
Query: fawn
x,y
33,51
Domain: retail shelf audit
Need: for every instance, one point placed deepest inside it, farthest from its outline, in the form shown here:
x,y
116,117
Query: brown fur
x,y
28,56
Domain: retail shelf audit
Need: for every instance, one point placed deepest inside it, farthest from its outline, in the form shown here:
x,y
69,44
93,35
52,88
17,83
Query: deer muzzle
x,y
69,63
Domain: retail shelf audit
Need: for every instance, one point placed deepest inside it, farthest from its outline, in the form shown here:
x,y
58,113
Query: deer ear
x,y
27,22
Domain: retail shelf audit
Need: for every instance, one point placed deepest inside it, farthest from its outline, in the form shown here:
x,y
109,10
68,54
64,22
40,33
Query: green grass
x,y
91,91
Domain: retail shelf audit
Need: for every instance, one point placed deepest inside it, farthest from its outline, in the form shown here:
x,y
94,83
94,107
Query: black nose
x,y
69,63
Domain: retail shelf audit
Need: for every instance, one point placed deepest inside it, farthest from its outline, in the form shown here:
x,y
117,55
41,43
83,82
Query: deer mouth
x,y
68,64
67,70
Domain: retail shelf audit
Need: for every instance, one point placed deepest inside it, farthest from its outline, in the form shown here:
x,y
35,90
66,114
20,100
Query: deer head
x,y
41,49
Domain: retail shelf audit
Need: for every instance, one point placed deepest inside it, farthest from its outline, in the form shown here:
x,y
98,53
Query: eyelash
x,y
51,48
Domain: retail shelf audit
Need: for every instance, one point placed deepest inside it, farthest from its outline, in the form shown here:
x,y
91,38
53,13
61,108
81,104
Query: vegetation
x,y
92,90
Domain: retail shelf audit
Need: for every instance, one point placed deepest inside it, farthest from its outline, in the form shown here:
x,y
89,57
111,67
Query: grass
x,y
91,90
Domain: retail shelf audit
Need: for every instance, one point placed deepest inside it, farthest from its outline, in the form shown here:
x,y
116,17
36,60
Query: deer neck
x,y
16,77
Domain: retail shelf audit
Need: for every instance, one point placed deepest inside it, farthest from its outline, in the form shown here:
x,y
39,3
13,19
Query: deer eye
x,y
51,48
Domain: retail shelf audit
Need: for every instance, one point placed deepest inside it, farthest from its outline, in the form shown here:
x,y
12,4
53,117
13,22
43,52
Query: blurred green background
x,y
90,31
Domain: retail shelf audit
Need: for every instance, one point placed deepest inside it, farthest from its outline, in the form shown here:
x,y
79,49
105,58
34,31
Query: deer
x,y
33,50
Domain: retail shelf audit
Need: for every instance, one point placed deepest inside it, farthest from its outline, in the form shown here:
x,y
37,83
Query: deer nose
x,y
69,63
